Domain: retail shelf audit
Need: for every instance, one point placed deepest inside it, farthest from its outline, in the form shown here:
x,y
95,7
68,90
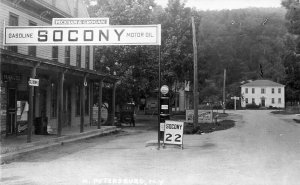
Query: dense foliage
x,y
250,43
292,55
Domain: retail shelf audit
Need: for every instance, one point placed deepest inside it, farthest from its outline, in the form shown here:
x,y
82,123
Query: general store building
x,y
68,84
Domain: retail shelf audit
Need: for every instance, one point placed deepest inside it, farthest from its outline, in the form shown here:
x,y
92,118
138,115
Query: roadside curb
x,y
54,142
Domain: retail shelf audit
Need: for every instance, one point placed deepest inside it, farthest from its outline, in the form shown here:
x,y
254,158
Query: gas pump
x,y
164,110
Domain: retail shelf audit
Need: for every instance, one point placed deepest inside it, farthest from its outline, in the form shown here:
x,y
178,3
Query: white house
x,y
265,93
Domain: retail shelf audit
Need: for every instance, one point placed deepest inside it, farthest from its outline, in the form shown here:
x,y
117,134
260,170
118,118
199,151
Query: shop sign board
x,y
80,22
11,77
173,132
162,127
33,82
204,116
105,35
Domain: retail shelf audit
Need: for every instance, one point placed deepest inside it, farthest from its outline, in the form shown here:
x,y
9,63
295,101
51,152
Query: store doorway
x,y
11,111
67,107
263,102
43,103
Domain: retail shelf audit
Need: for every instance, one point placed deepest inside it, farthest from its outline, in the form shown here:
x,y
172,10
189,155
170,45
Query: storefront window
x,y
67,55
55,53
32,49
87,57
78,56
13,21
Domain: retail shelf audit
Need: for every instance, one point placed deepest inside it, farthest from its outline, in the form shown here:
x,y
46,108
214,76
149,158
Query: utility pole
x,y
224,84
196,99
158,99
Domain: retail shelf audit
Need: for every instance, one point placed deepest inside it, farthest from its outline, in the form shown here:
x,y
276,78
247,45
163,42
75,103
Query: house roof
x,y
262,83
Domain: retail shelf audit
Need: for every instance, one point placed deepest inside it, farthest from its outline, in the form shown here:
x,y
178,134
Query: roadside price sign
x,y
173,132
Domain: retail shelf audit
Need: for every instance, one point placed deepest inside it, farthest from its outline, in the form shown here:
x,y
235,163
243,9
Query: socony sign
x,y
106,35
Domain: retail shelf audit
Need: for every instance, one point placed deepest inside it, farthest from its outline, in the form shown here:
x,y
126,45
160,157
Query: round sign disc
x,y
164,89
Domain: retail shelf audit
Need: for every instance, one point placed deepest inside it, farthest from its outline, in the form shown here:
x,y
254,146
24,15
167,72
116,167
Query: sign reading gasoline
x,y
105,35
173,132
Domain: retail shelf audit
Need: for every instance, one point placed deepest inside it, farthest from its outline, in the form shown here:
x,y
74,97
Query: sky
x,y
226,4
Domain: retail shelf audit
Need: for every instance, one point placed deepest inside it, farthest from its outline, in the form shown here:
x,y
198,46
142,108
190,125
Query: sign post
x,y
235,98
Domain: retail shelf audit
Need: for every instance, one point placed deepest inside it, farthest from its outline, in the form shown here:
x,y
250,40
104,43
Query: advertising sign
x,y
105,35
33,82
164,89
173,132
80,22
204,116
162,126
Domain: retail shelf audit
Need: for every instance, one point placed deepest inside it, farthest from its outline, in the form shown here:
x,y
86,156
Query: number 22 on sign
x,y
173,132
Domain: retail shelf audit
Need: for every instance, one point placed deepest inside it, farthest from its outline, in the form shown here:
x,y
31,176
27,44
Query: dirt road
x,y
262,148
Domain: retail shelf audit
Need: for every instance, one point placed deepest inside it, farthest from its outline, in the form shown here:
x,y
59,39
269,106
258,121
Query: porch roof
x,y
30,61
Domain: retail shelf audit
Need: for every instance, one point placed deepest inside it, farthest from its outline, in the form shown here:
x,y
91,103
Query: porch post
x,y
60,103
91,102
113,108
82,106
31,106
100,103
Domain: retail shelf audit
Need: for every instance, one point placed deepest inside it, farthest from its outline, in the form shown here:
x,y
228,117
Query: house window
x,y
263,90
55,53
78,56
246,90
253,90
273,100
273,90
246,100
279,100
87,101
253,101
67,55
32,49
53,100
13,21
77,111
279,90
87,57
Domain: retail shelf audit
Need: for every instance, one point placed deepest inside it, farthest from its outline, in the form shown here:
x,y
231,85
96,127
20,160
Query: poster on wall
x,y
22,115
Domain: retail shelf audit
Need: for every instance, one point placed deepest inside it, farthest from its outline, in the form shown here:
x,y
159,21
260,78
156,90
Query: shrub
x,y
252,106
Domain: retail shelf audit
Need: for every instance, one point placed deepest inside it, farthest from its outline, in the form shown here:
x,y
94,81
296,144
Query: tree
x,y
247,42
291,58
136,66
